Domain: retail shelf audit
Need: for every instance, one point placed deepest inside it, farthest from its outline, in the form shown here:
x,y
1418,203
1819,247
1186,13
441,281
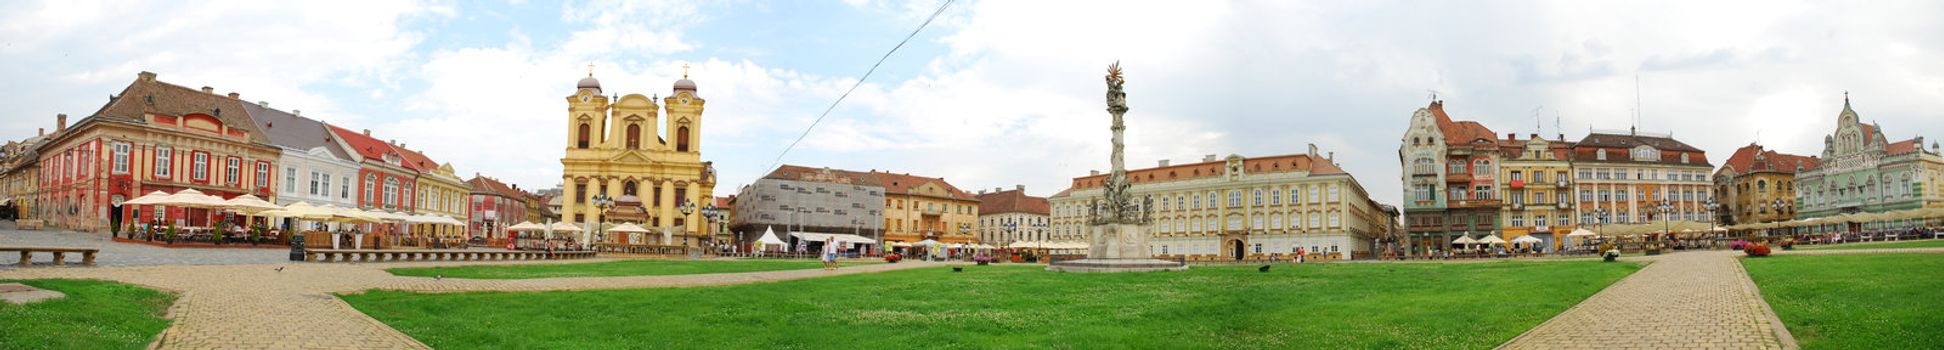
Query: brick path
x,y
257,307
1688,300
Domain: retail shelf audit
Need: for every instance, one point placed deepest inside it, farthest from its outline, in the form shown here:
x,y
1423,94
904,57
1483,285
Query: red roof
x,y
1290,162
364,145
415,160
1745,160
1901,147
902,184
487,184
725,202
1014,201
1461,132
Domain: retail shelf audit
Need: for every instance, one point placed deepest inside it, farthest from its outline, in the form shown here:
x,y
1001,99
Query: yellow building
x,y
621,149
440,193
1538,193
1757,185
918,208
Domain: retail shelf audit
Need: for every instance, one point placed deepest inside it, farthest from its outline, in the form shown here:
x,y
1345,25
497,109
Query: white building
x,y
1007,216
1238,208
313,168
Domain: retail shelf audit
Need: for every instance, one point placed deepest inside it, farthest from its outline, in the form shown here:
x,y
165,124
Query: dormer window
x,y
1684,158
1645,153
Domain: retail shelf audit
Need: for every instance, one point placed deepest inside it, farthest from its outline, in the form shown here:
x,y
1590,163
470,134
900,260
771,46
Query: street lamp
x,y
605,203
1666,209
711,214
1713,220
686,207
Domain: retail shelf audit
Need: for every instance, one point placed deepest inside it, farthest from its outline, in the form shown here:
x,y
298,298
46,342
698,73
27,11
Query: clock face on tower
x,y
585,96
684,100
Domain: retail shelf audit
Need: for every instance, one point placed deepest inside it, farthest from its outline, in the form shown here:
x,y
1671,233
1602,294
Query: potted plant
x,y
171,235
1610,255
982,260
216,237
1017,258
892,258
256,235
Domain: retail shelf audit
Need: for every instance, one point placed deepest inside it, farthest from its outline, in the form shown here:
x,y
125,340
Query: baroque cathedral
x,y
635,159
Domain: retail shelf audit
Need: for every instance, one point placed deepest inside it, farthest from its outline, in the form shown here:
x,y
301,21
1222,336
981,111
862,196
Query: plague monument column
x,y
1117,228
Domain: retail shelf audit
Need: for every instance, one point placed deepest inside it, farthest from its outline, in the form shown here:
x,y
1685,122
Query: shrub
x,y
1757,250
892,258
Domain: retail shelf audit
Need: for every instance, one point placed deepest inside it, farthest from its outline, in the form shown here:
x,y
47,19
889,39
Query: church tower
x,y
587,114
684,116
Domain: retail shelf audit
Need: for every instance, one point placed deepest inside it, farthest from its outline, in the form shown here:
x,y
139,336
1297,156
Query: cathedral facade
x,y
633,159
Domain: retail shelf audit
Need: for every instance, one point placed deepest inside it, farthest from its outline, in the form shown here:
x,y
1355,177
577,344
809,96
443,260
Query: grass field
x,y
1863,301
1928,243
1312,306
610,268
94,315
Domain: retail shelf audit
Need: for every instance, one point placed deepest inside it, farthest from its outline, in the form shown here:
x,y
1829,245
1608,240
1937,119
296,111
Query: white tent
x,y
1526,239
840,237
1581,232
925,243
769,238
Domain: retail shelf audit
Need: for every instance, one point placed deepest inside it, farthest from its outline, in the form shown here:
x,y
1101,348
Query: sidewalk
x,y
1690,300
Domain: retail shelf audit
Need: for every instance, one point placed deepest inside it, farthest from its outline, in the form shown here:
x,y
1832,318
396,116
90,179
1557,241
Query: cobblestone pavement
x,y
1689,300
257,307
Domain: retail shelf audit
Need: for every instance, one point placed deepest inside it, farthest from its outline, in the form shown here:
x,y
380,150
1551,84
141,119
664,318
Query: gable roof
x,y
415,160
1012,201
293,131
489,185
1458,132
365,146
1745,160
146,95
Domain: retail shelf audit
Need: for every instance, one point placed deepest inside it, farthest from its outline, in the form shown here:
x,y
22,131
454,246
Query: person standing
x,y
830,253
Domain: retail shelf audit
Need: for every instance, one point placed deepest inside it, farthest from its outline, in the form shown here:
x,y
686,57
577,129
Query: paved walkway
x,y
258,307
1688,300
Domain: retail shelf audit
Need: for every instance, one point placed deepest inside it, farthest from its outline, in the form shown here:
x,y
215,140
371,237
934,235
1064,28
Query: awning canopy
x,y
769,237
839,237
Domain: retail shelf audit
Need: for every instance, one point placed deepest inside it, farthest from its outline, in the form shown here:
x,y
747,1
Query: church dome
x,y
588,83
685,84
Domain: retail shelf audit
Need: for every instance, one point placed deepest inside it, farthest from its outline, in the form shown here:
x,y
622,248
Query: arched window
x,y
634,136
582,136
391,191
682,139
628,188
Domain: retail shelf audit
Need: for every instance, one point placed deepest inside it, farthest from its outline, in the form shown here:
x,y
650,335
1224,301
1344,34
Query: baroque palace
x,y
637,160
1861,171
1239,207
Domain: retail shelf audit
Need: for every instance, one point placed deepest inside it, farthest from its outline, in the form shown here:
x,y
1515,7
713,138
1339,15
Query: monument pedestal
x,y
1118,247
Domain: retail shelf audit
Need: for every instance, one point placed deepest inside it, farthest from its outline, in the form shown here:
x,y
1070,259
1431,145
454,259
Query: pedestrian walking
x,y
830,253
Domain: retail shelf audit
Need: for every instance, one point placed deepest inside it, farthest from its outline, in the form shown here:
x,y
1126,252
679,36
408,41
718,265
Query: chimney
x,y
209,90
1511,136
1535,136
297,112
1208,158
235,96
982,192
1562,137
145,76
264,104
367,132
1021,188
1332,157
1162,163
41,132
1093,172
998,189
60,122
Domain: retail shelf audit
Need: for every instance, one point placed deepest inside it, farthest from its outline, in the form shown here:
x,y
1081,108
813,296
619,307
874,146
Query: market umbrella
x,y
627,228
1491,240
564,226
1526,239
1464,240
1581,232
249,204
147,199
191,198
527,226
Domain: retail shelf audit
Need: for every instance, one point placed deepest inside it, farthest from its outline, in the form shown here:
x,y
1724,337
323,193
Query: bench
x,y
60,254
378,255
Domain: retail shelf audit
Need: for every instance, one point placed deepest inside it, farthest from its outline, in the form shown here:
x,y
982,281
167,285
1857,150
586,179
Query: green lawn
x,y
94,315
1928,243
1863,301
610,268
1334,306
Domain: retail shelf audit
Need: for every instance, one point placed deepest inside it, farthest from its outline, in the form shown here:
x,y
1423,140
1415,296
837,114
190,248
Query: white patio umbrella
x,y
563,226
1491,240
193,199
527,226
1467,240
147,199
249,204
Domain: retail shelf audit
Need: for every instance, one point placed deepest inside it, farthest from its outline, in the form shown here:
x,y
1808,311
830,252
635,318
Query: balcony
x,y
934,211
1565,205
1458,177
1516,184
1473,203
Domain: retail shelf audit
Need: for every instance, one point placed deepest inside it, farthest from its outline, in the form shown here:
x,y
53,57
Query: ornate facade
x,y
918,208
1861,171
1241,207
1757,185
1450,181
636,146
1534,174
1626,178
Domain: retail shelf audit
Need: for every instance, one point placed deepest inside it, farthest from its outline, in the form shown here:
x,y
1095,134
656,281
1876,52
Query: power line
x,y
860,82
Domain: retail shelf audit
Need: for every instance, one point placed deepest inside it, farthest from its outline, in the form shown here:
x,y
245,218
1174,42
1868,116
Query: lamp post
x,y
1600,216
605,203
711,214
1713,220
1666,209
686,207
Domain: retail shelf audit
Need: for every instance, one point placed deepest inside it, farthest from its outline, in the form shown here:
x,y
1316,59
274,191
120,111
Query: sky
x,y
1004,92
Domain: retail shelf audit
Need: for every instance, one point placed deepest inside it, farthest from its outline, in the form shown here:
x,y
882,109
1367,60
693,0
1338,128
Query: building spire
x,y
685,68
590,69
